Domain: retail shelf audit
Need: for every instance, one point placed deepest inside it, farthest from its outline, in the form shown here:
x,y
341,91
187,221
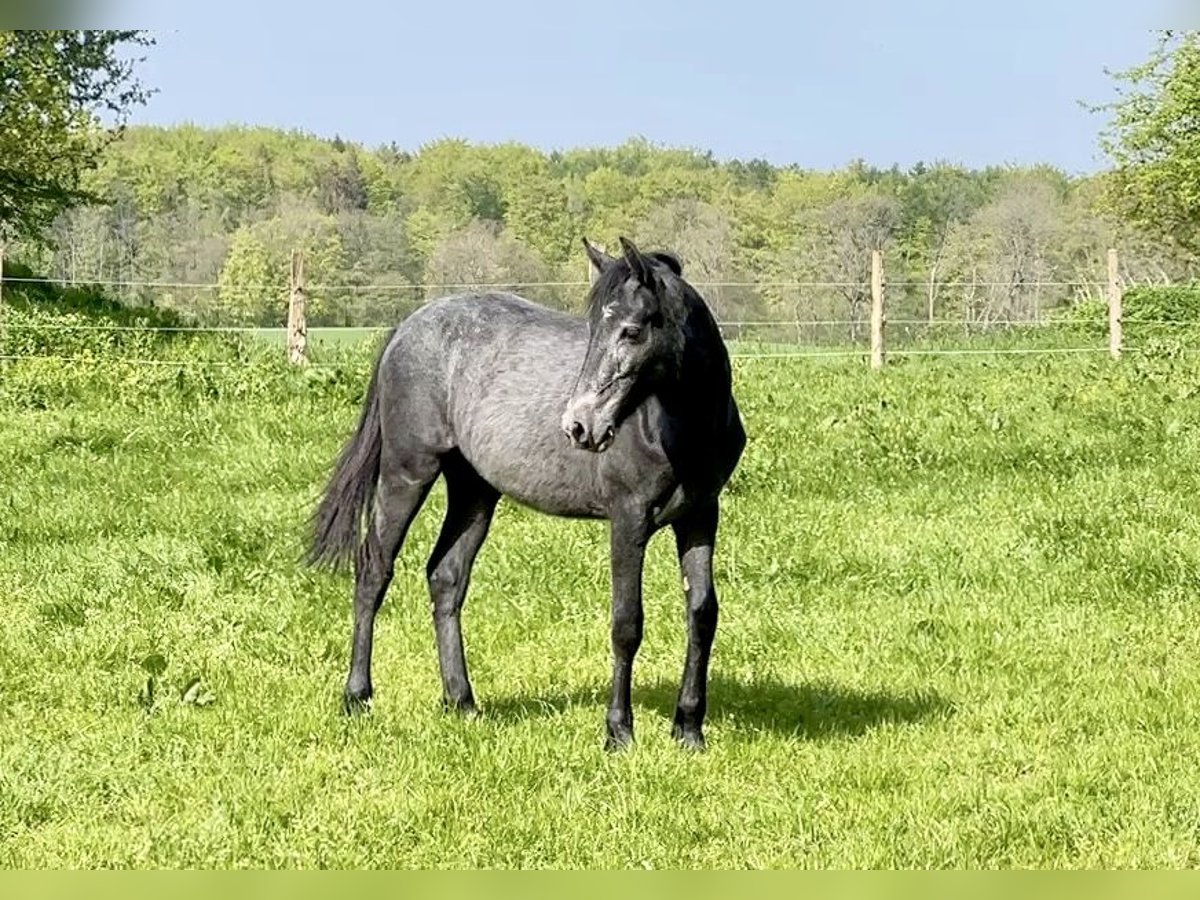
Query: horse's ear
x,y
638,264
598,258
670,260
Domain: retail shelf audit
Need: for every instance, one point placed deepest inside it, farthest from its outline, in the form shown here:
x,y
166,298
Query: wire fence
x,y
742,303
801,354
754,337
993,325
507,285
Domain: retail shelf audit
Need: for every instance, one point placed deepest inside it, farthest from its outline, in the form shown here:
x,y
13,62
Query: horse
x,y
624,414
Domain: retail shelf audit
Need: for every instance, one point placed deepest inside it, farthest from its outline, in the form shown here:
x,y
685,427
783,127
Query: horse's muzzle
x,y
585,428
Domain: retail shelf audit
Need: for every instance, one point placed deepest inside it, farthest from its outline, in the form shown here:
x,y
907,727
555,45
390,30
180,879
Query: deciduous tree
x,y
1153,139
57,89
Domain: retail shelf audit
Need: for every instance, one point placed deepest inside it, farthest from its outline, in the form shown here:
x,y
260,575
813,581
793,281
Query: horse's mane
x,y
618,272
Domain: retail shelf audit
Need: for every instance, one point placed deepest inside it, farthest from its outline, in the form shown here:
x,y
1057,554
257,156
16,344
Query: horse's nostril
x,y
577,431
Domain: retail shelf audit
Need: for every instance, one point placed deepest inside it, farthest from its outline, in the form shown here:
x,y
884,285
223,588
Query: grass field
x,y
779,340
958,628
317,336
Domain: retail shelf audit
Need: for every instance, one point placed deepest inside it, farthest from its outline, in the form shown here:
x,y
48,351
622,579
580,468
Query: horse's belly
x,y
557,503
554,489
540,471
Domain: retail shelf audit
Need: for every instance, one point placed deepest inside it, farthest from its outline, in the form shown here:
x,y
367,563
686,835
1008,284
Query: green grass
x,y
958,628
319,337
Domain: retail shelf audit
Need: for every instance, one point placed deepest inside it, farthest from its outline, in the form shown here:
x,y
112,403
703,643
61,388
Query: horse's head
x,y
634,338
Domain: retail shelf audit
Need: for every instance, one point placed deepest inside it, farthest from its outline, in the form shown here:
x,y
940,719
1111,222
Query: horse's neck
x,y
700,392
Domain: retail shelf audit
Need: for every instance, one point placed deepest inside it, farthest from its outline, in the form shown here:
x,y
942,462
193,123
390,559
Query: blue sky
x,y
816,84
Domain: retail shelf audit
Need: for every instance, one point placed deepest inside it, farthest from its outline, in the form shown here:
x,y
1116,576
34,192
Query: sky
x,y
816,84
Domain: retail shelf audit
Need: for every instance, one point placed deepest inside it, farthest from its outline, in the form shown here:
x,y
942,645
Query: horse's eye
x,y
631,333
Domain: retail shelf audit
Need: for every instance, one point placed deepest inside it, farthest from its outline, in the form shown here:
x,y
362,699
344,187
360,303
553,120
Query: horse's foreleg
x,y
629,536
695,536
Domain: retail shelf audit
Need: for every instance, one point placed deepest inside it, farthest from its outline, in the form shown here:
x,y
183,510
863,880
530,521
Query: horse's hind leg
x,y
401,490
470,502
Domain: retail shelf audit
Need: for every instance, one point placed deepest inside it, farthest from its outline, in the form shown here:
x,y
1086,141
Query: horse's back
x,y
489,375
483,345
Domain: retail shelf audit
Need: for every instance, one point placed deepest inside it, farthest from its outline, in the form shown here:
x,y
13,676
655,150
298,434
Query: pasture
x,y
958,628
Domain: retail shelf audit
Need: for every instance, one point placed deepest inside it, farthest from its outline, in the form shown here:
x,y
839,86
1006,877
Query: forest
x,y
203,221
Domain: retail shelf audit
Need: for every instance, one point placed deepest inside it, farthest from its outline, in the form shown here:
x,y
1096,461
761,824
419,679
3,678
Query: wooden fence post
x,y
1114,305
297,330
877,316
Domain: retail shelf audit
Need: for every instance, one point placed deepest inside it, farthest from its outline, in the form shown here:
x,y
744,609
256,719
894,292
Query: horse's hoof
x,y
356,704
689,738
465,708
618,739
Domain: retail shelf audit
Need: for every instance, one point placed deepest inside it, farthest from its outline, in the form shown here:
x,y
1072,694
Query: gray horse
x,y
626,414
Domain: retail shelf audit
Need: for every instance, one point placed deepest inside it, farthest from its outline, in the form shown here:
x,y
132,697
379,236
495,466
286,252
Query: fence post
x,y
877,316
1114,304
297,330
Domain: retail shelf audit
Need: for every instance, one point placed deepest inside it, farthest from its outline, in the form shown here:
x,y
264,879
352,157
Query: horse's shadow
x,y
807,711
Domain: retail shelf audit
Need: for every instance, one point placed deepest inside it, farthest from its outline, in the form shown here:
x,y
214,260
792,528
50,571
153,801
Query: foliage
x,y
248,293
55,86
381,221
1162,319
1162,303
1153,139
1004,249
482,254
39,297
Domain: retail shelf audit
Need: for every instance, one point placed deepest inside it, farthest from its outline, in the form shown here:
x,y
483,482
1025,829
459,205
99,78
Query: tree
x,y
774,231
934,200
536,206
81,240
1154,141
381,267
54,88
757,174
482,254
242,168
1005,253
837,240
247,291
340,185
300,225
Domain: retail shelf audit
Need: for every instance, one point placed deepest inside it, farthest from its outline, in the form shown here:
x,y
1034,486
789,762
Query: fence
x,y
756,338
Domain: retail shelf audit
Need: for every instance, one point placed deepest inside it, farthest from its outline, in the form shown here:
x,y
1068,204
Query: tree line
x,y
383,228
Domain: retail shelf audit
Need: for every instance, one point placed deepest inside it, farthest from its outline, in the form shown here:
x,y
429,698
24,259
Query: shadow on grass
x,y
808,711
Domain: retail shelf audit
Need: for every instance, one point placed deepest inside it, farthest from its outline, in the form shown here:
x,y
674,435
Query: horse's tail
x,y
346,509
